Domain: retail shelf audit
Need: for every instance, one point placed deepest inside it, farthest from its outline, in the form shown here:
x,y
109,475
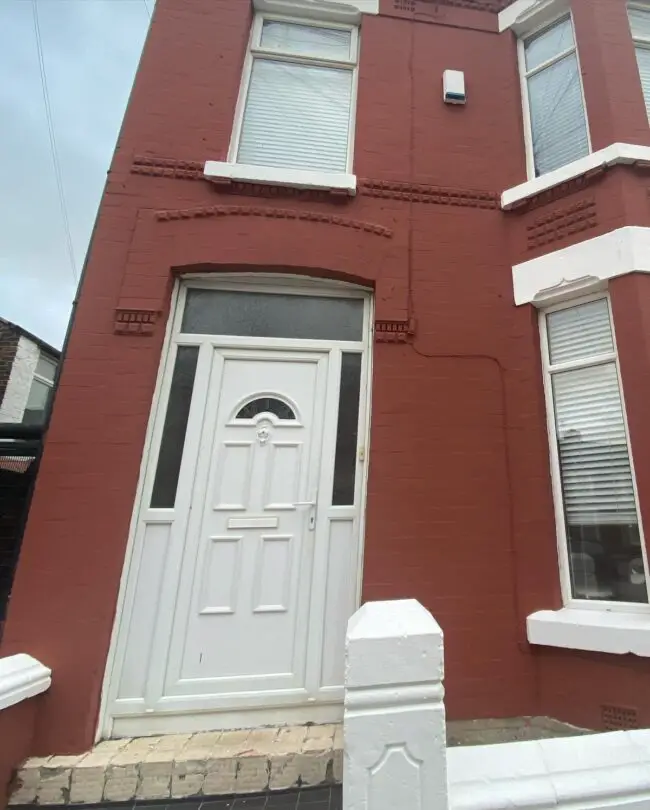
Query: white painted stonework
x,y
616,153
22,677
589,772
613,632
20,381
296,178
394,721
324,10
524,15
582,268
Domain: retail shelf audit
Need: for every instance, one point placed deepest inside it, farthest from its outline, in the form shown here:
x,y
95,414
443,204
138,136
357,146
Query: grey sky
x,y
90,50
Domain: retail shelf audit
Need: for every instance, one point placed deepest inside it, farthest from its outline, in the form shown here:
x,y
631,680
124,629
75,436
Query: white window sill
x,y
610,156
593,630
294,178
22,677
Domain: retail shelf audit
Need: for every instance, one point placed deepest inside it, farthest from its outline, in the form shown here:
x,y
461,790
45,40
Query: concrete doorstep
x,y
184,765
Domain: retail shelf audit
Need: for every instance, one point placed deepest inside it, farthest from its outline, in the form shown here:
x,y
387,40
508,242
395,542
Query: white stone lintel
x,y
22,677
341,11
582,268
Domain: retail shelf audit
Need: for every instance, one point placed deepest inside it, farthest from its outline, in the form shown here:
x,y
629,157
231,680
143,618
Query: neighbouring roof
x,y
47,348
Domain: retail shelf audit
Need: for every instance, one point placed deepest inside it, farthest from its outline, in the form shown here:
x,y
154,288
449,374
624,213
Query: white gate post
x,y
395,755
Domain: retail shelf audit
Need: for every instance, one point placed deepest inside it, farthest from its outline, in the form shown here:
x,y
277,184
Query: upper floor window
x,y
640,26
602,549
552,89
39,393
297,102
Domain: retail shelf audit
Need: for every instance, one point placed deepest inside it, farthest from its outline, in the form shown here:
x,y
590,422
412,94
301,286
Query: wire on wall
x,y
53,147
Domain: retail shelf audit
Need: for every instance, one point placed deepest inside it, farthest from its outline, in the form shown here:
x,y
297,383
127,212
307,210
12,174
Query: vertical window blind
x,y
640,27
298,106
558,121
594,462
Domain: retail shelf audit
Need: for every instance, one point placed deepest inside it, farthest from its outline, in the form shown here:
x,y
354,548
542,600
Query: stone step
x,y
183,765
227,762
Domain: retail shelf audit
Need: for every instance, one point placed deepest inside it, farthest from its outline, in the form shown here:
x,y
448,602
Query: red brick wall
x,y
16,733
459,511
8,345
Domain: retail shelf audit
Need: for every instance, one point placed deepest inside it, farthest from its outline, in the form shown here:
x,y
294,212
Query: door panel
x,y
243,606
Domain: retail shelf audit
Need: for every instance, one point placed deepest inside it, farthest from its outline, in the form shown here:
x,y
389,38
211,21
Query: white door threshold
x,y
213,763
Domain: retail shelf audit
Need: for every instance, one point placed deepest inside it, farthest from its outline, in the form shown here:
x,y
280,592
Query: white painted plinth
x,y
395,755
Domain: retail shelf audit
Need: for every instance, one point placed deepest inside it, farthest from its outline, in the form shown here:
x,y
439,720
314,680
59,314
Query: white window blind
x,y
640,27
558,123
594,461
299,98
595,473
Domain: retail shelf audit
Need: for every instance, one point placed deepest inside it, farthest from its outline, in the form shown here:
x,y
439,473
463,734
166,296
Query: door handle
x,y
312,513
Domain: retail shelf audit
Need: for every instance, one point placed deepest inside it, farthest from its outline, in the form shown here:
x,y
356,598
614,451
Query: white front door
x,y
245,563
243,612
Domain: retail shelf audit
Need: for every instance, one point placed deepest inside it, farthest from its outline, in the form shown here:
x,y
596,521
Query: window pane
x,y
643,61
46,368
549,43
578,332
306,40
345,463
38,395
557,115
266,405
296,116
173,438
639,22
224,312
599,505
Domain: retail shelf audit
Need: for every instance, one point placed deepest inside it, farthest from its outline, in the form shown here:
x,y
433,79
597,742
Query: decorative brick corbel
x,y
135,321
395,331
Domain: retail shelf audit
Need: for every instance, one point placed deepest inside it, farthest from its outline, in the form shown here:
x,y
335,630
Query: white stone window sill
x,y
268,175
22,677
593,630
610,156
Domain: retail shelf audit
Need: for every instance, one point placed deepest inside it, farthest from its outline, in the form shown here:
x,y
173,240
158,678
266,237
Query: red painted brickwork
x,y
8,345
459,505
17,725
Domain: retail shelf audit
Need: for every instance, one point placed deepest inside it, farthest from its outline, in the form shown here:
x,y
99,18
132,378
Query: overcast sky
x,y
90,53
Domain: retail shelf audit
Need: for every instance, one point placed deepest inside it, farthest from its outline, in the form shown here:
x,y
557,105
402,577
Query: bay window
x,y
297,101
640,26
556,120
601,539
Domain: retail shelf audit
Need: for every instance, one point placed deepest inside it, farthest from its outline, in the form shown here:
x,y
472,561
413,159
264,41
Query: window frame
x,y
640,42
548,370
255,51
524,75
44,381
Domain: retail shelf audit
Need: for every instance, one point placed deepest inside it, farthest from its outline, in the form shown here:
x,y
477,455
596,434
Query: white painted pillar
x,y
395,754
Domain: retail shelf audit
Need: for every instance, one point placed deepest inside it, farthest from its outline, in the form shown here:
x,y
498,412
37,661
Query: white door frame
x,y
243,282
